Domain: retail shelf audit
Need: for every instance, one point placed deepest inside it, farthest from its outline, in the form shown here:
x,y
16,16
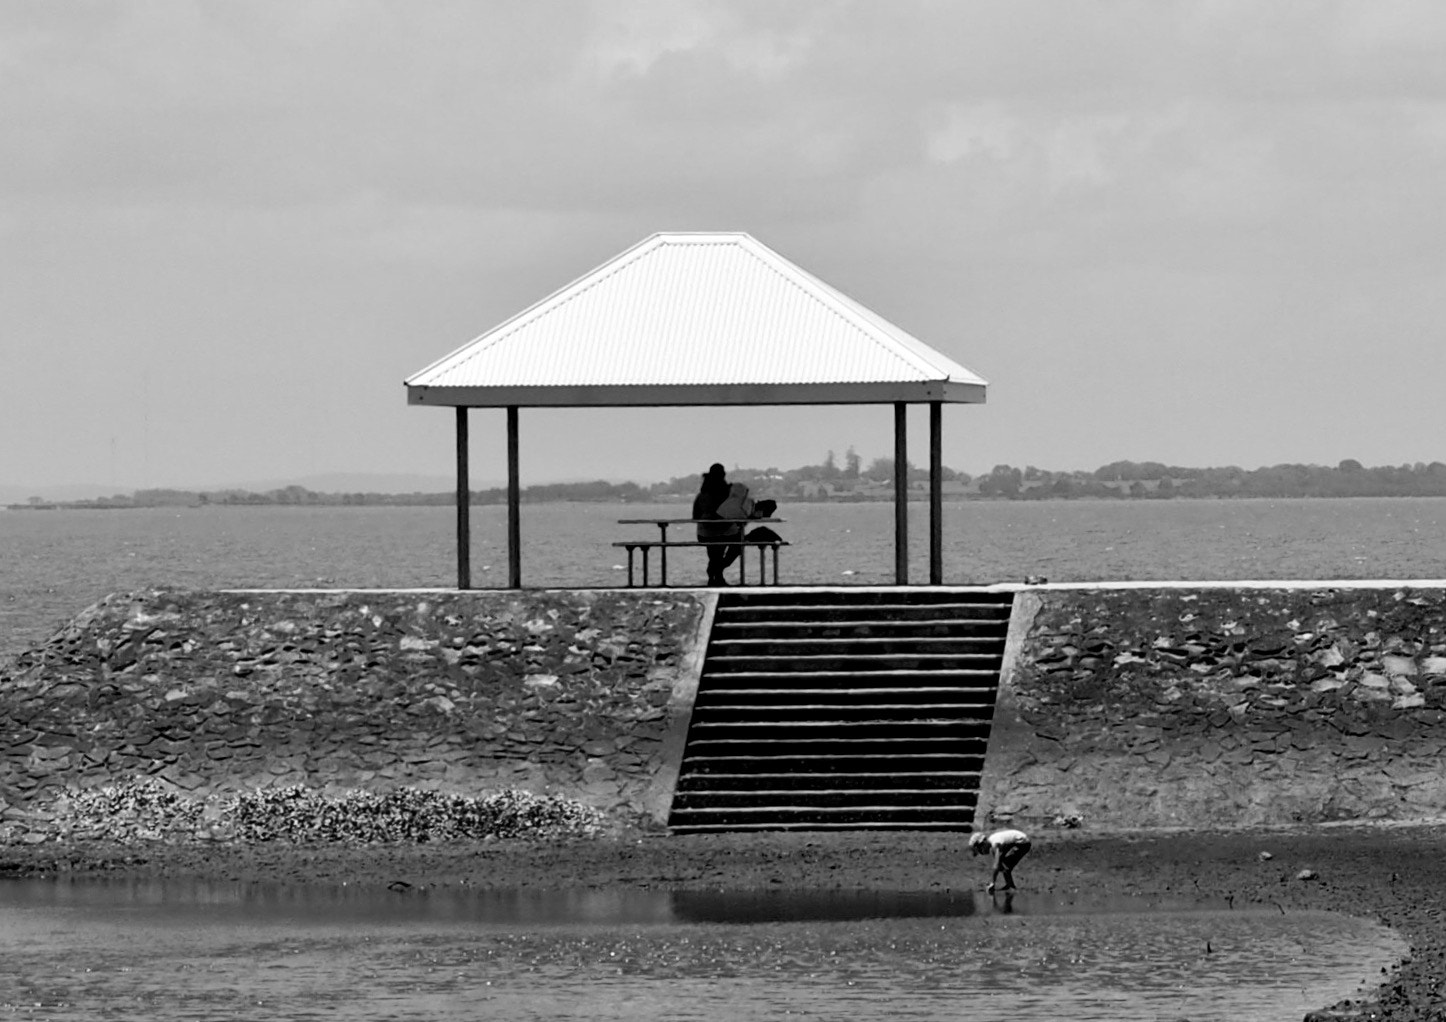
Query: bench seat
x,y
648,545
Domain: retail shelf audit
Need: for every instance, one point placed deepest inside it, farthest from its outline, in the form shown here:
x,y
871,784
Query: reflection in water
x,y
172,951
815,906
190,902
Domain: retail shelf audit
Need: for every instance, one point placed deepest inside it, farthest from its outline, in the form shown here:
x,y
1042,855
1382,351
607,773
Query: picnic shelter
x,y
696,319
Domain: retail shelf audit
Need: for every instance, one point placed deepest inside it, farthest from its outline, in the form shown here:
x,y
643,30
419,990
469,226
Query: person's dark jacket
x,y
705,505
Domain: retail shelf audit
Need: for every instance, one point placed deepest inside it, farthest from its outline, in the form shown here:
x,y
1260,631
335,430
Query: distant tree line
x,y
853,481
597,491
1153,480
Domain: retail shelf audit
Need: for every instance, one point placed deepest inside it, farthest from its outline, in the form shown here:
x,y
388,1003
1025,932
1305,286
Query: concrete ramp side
x,y
1008,750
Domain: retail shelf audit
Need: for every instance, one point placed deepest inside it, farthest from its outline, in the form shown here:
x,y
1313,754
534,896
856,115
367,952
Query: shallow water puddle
x,y
201,951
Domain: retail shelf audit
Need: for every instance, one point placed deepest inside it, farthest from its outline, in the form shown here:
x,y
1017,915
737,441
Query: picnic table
x,y
663,544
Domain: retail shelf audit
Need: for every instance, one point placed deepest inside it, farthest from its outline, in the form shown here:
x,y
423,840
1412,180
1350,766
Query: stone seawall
x,y
1138,706
585,694
1120,706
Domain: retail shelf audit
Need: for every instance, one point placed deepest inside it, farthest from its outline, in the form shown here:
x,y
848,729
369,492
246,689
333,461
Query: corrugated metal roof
x,y
715,318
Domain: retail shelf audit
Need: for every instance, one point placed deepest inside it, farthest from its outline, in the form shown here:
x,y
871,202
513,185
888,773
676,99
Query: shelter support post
x,y
936,493
901,493
514,501
464,505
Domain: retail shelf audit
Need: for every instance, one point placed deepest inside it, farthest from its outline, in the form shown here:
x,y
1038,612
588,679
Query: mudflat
x,y
1392,874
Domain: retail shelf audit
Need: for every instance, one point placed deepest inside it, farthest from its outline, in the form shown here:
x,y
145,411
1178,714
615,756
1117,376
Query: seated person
x,y
731,514
712,494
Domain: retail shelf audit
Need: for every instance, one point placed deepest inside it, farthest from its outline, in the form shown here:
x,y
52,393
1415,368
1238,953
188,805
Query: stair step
x,y
935,779
850,694
822,825
782,714
937,762
855,738
861,594
860,700
890,612
904,678
835,761
862,628
854,741
779,748
823,805
903,675
857,747
857,664
844,768
766,694
809,645
797,813
841,765
898,603
823,810
766,699
810,729
894,800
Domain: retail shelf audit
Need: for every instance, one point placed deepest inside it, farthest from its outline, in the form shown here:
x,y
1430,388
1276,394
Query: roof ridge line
x,y
512,323
856,314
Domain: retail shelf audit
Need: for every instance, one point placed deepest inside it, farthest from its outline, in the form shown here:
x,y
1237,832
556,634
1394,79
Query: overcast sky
x,y
1200,233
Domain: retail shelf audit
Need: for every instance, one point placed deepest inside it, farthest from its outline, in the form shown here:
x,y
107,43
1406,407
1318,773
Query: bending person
x,y
1007,847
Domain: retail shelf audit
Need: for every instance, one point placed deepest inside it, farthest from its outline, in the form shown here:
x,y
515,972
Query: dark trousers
x,y
721,557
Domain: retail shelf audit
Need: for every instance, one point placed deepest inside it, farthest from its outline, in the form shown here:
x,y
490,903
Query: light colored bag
x,y
737,504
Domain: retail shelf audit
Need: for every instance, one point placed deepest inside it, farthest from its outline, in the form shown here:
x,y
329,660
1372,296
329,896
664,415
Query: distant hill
x,y
1120,480
355,482
333,482
74,491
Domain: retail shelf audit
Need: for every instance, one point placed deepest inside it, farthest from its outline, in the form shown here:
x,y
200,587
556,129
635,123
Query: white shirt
x,y
1004,838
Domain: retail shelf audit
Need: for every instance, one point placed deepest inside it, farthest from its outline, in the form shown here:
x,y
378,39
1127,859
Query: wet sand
x,y
1395,875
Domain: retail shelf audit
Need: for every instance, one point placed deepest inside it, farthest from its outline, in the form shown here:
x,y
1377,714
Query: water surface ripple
x,y
172,952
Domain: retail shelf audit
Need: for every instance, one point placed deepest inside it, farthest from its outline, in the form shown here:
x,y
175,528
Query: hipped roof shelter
x,y
696,319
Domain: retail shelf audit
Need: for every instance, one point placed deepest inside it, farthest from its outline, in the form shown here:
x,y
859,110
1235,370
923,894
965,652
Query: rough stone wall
x,y
1125,707
579,693
1165,707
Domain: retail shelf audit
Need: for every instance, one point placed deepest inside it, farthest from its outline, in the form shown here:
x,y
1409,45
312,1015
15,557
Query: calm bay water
x,y
184,952
55,563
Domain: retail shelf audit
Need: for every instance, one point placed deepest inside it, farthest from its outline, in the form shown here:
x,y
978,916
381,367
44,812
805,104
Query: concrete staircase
x,y
842,710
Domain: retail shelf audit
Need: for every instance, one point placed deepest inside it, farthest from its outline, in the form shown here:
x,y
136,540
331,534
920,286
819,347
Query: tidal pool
x,y
172,951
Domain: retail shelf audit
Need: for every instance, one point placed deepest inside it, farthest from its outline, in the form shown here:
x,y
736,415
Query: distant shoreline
x,y
829,483
915,497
